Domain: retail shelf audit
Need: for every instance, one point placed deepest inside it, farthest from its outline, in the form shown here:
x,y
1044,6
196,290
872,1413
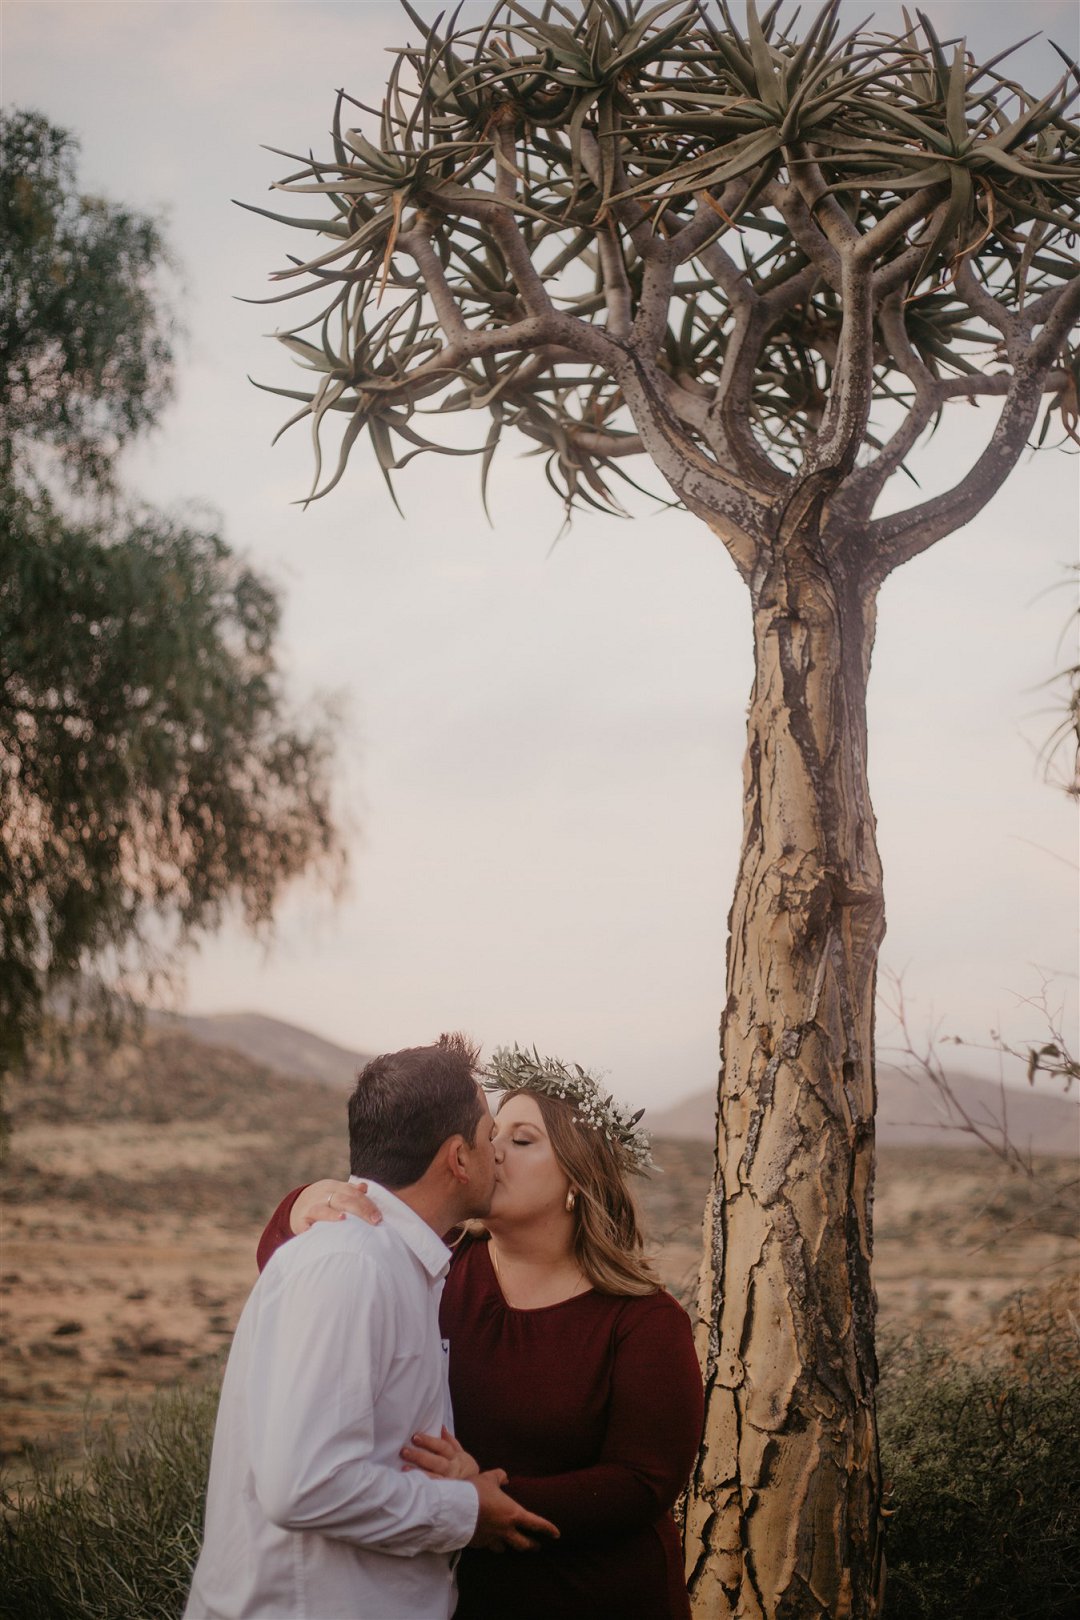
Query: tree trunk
x,y
783,1514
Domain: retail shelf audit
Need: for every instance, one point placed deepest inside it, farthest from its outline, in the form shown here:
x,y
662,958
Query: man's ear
x,y
455,1158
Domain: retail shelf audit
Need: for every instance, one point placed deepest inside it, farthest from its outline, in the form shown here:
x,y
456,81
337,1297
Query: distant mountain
x,y
910,1114
285,1048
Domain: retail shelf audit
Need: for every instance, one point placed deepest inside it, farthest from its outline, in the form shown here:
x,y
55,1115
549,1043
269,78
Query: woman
x,y
570,1367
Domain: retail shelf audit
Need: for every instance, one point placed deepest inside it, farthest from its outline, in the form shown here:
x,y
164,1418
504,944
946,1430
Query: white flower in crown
x,y
512,1069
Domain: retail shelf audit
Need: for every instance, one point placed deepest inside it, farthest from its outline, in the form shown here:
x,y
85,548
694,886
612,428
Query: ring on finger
x,y
330,1199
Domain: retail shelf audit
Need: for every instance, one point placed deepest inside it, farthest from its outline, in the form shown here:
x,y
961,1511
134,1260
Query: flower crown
x,y
511,1069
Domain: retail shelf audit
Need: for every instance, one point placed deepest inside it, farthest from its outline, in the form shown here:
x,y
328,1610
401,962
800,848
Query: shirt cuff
x,y
458,1511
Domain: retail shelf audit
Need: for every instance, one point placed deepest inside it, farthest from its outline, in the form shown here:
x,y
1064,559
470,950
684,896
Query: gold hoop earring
x,y
571,1200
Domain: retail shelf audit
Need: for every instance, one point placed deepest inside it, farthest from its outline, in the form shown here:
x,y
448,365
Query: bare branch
x,y
865,485
812,241
821,206
608,444
985,305
417,243
1059,315
1039,311
898,273
733,509
894,540
556,334
991,1130
691,405
848,411
650,322
792,291
728,428
635,220
711,214
897,222
495,211
732,281
616,283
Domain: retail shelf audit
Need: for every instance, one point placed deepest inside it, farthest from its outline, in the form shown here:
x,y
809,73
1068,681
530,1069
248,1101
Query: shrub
x,y
981,1465
980,1457
120,1542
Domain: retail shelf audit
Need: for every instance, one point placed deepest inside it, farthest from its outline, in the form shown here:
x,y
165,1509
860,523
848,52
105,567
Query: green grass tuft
x,y
120,1542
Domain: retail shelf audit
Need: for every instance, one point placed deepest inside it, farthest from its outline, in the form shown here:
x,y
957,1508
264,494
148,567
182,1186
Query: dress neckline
x,y
528,1310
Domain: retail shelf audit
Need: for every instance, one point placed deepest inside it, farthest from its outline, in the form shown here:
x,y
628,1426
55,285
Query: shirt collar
x,y
428,1248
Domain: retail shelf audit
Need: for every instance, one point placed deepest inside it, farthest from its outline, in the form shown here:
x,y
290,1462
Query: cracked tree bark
x,y
786,1309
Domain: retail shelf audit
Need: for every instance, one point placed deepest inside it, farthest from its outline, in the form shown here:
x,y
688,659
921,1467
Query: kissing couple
x,y
460,1354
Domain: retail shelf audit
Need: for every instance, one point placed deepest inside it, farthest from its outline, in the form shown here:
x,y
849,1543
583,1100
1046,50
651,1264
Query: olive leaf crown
x,y
512,1069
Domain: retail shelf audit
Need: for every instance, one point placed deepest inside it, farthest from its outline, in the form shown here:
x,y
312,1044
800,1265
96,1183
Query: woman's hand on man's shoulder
x,y
332,1201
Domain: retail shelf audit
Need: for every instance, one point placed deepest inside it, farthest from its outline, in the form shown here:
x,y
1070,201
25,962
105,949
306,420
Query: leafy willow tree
x,y
767,264
149,771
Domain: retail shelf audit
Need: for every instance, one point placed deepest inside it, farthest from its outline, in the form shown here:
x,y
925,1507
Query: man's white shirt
x,y
337,1361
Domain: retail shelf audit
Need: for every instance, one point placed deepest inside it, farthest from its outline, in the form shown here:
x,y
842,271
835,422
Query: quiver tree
x,y
767,265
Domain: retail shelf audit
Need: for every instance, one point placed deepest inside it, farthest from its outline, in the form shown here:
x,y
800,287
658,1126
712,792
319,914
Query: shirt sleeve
x,y
324,1343
654,1426
277,1230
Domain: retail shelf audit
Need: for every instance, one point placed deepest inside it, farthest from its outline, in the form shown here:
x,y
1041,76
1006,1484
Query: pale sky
x,y
542,756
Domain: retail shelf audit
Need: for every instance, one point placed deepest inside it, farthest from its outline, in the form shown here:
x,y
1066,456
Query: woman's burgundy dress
x,y
594,1408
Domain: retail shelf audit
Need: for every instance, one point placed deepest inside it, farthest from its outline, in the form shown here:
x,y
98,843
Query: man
x,y
337,1362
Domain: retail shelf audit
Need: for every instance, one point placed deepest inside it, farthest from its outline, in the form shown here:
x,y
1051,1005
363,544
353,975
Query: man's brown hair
x,y
407,1104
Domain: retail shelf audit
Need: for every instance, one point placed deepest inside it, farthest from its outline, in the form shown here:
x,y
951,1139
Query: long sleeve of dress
x,y
277,1230
653,1429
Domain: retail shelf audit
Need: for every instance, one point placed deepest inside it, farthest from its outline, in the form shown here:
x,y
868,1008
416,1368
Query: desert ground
x,y
139,1180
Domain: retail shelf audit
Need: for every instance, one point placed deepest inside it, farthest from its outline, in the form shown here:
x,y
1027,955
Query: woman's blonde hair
x,y
608,1242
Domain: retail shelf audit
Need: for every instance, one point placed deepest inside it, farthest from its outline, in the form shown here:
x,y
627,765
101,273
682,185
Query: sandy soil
x,y
105,1300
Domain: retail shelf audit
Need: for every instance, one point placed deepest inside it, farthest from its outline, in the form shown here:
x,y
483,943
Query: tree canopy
x,y
86,337
626,230
150,771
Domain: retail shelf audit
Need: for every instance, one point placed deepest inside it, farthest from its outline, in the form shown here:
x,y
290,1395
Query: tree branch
x,y
863,487
812,187
896,275
572,340
896,539
1059,315
495,210
851,394
796,216
734,510
615,281
712,215
417,243
650,322
732,281
634,219
897,222
982,304
728,430
608,444
793,289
